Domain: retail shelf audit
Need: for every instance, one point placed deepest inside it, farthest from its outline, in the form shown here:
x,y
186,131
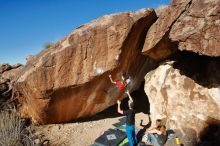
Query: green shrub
x,y
48,45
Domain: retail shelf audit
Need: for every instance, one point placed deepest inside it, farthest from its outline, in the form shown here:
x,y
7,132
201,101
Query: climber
x,y
156,136
120,84
130,120
142,134
157,125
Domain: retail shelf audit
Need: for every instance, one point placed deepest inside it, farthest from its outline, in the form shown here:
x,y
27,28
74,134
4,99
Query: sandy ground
x,y
84,132
80,133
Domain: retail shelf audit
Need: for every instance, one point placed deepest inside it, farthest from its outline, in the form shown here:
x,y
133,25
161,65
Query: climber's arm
x,y
119,108
110,77
129,96
154,131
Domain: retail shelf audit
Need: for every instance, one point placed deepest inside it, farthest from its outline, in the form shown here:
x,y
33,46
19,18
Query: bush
x,y
48,45
13,131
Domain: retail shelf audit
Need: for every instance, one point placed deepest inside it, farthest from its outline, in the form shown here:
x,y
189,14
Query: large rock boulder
x,y
70,79
7,75
197,29
157,43
185,25
187,98
186,93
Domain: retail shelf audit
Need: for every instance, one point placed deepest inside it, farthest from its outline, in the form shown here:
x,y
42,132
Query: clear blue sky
x,y
26,25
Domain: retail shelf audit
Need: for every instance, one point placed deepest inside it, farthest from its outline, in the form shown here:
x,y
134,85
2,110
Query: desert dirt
x,y
84,132
80,133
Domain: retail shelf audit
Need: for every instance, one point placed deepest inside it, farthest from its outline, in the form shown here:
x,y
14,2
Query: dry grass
x,y
13,131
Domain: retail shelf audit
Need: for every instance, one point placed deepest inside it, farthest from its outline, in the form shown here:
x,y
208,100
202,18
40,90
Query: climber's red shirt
x,y
120,85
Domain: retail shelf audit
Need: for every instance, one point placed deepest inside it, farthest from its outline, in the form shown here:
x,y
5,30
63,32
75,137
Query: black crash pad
x,y
111,137
121,122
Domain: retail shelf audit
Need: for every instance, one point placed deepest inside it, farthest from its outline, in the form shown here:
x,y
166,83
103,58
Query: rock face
x,y
185,25
197,29
7,75
187,105
70,80
186,91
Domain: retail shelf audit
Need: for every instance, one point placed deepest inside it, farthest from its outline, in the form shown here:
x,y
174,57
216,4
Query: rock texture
x,y
183,103
185,92
191,25
70,80
7,75
197,29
